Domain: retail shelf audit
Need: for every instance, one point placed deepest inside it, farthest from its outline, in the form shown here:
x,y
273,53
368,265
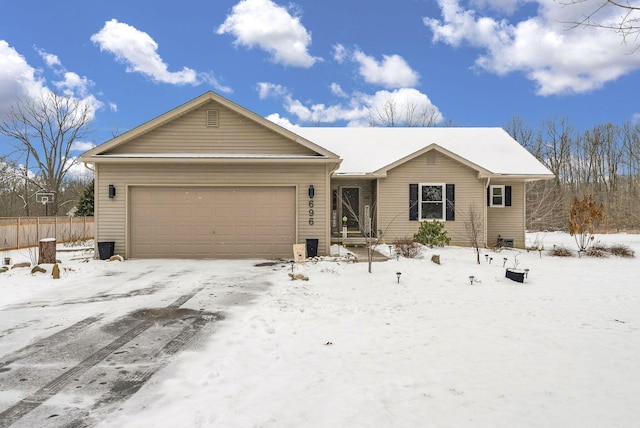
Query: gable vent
x,y
431,159
212,118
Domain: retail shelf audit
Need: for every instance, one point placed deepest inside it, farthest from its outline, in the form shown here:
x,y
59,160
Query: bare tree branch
x,y
44,130
627,25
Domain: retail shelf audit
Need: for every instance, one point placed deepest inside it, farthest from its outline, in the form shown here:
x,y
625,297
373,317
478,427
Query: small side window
x,y
496,196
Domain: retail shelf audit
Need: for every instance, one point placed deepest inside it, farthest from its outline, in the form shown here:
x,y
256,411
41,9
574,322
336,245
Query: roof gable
x,y
186,132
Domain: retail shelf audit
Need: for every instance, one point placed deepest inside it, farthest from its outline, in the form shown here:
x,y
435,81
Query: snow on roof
x,y
367,150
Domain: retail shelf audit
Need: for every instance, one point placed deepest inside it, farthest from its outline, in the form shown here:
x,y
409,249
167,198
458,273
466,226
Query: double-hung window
x,y
497,196
432,203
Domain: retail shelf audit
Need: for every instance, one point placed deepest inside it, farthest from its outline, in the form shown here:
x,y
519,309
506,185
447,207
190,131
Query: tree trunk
x,y
47,251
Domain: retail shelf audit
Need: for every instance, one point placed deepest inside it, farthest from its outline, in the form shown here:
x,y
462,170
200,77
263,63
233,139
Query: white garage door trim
x,y
198,221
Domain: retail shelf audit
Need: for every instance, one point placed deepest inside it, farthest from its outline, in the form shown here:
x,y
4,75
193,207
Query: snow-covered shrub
x,y
432,233
621,250
560,251
407,248
597,250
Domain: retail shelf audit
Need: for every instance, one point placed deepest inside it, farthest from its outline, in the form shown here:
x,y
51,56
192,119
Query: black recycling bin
x,y
515,275
105,249
312,248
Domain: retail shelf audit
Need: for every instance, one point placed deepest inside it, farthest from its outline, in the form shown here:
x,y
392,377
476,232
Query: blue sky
x,y
328,63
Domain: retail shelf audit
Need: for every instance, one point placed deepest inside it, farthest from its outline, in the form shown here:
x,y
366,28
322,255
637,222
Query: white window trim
x,y
491,204
444,201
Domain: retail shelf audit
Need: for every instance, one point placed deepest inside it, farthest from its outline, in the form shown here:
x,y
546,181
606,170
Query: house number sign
x,y
312,193
311,212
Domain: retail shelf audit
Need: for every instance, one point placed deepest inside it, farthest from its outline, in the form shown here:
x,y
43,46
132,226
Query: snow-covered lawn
x,y
352,349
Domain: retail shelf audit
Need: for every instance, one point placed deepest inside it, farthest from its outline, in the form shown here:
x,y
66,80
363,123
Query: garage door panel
x,y
211,222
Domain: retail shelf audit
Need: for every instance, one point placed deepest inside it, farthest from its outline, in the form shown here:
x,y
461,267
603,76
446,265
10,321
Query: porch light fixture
x,y
312,191
112,191
398,275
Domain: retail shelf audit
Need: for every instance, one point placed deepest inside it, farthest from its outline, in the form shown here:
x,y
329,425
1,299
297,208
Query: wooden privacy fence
x,y
22,232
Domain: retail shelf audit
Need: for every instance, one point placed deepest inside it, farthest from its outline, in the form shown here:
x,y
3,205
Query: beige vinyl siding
x,y
393,196
113,220
236,134
508,222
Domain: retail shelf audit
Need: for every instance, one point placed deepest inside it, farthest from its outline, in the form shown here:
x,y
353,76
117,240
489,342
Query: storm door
x,y
351,207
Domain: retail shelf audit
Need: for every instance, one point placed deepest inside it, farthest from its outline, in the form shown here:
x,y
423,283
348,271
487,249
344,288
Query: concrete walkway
x,y
361,252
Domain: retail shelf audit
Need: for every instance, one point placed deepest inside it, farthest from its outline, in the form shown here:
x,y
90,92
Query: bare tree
x,y
627,23
366,227
408,114
43,130
473,224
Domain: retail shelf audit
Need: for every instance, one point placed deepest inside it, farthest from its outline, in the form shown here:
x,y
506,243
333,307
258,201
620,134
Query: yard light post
x,y
398,275
344,230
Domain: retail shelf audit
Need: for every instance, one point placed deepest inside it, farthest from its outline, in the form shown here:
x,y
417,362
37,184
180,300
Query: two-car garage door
x,y
211,222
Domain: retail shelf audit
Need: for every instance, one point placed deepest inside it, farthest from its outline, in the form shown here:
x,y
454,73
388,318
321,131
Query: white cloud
x,y
113,107
269,90
557,58
264,24
138,51
17,78
78,170
282,121
358,109
392,72
51,60
339,53
82,146
337,90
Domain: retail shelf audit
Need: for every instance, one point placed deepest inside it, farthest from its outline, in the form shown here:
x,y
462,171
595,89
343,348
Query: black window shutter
x,y
451,202
507,196
413,202
488,196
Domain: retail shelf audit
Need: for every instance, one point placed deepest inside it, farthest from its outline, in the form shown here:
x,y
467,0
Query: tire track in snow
x,y
33,401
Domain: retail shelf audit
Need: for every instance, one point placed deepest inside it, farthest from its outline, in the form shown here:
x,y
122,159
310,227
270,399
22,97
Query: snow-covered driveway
x,y
72,349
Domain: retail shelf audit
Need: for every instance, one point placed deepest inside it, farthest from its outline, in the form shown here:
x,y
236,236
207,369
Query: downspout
x,y
486,212
327,202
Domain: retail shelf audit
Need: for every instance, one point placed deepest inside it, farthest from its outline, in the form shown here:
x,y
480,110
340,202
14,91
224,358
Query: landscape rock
x,y
55,272
21,265
36,269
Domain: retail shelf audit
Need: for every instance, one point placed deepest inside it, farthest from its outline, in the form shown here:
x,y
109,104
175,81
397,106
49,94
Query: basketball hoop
x,y
45,198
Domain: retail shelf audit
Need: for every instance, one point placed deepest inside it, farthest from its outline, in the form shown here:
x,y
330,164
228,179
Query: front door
x,y
351,207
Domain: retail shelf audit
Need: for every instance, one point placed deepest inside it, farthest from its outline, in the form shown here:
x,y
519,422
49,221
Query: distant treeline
x,y
603,161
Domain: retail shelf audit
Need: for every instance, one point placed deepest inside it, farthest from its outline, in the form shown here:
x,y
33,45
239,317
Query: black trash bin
x,y
105,249
312,248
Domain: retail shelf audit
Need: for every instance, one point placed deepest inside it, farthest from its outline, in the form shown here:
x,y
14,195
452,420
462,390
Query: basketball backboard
x,y
44,197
